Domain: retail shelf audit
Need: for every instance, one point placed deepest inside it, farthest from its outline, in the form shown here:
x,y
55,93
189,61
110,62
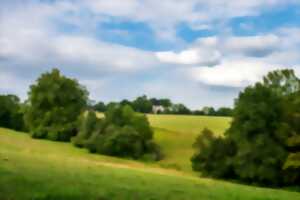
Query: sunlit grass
x,y
40,169
176,135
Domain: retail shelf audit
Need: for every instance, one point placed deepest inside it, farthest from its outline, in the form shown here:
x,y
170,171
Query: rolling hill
x,y
40,169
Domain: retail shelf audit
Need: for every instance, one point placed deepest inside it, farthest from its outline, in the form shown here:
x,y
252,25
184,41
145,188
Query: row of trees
x,y
143,104
263,143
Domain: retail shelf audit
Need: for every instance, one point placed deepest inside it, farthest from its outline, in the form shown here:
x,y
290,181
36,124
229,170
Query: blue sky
x,y
193,51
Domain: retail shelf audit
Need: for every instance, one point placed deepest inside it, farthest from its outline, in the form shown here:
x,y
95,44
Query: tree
x,y
209,111
125,102
224,111
11,115
100,107
283,82
180,109
259,135
161,102
263,131
87,123
55,102
142,104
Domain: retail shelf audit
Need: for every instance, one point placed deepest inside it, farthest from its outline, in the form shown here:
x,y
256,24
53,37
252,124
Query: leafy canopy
x,y
11,114
122,133
55,102
260,146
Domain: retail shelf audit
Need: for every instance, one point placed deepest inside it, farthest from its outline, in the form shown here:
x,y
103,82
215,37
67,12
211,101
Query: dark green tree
x,y
263,131
122,133
100,107
224,111
142,104
213,156
87,123
180,109
54,104
209,111
11,114
260,136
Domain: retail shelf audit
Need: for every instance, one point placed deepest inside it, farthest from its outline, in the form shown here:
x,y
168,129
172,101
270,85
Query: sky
x,y
197,52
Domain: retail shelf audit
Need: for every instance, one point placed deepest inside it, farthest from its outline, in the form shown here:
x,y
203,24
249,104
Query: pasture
x,y
176,135
40,169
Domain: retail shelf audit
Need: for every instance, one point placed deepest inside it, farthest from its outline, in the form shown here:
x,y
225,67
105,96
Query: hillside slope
x,y
176,135
39,169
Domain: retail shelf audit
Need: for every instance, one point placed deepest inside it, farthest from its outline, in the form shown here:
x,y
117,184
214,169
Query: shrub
x,y
11,114
123,142
87,123
291,169
122,133
213,155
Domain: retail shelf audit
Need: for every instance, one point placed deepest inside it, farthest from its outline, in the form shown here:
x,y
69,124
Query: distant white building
x,y
158,109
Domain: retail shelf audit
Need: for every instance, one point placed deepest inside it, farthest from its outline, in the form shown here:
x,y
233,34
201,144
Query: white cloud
x,y
190,57
29,37
203,53
245,60
211,50
231,73
102,56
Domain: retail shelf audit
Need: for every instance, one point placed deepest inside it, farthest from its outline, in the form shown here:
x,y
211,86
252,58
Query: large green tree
x,y
54,104
260,135
264,133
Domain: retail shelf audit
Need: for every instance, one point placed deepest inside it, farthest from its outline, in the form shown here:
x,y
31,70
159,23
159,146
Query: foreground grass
x,y
176,135
39,170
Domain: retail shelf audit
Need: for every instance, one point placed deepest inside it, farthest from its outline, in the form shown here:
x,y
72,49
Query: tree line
x,y
143,104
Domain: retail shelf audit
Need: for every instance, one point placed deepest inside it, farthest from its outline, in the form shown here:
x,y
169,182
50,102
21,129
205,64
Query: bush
x,y
11,114
213,155
87,124
54,104
291,169
122,133
123,142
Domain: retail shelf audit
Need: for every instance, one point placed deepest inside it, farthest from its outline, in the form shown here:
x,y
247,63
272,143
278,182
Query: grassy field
x,y
176,134
188,124
40,170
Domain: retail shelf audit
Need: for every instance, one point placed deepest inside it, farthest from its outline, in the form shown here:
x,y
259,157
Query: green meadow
x,y
38,169
176,135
